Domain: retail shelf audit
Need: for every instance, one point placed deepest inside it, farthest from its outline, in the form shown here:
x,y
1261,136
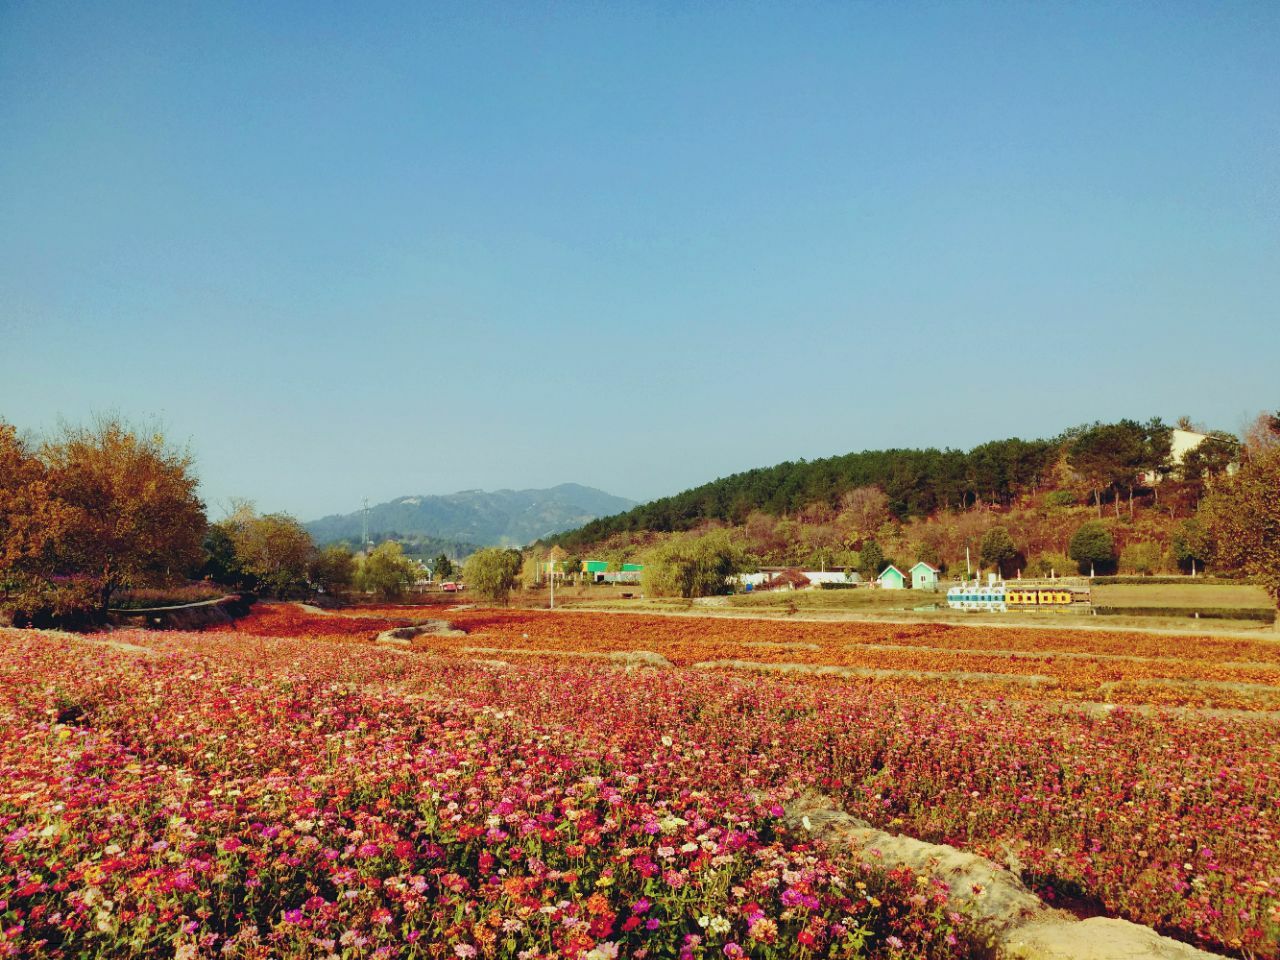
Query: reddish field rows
x,y
235,796
233,789
1064,664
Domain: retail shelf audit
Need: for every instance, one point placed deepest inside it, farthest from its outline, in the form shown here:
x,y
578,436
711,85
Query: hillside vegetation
x,y
1014,504
459,522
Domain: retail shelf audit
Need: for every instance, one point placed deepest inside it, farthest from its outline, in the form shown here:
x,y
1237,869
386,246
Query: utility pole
x,y
364,533
551,572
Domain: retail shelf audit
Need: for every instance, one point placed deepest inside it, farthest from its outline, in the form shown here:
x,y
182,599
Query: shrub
x,y
1142,558
792,578
1052,564
1093,547
142,598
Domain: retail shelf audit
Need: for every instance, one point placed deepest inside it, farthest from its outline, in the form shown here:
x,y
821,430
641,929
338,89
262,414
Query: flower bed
x,y
251,797
282,794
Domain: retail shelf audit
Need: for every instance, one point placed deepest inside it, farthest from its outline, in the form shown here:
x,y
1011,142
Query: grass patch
x,y
1181,596
863,598
1253,614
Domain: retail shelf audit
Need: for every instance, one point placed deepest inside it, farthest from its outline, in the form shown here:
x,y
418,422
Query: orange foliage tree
x,y
33,524
1242,513
135,514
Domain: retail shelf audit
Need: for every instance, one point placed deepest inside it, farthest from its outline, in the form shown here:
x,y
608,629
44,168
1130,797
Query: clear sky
x,y
377,249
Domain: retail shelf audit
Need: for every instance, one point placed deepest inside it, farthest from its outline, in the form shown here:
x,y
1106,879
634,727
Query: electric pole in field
x,y
364,532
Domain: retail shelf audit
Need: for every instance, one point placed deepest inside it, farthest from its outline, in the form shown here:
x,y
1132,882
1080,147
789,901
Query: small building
x,y
891,578
830,576
924,576
597,571
816,578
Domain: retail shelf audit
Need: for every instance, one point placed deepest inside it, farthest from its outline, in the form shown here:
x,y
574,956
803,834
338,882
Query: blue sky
x,y
379,249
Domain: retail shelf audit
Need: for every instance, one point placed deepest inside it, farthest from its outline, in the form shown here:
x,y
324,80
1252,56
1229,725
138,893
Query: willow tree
x,y
492,573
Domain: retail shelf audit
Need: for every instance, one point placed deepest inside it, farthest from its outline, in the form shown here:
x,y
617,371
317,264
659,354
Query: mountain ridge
x,y
504,517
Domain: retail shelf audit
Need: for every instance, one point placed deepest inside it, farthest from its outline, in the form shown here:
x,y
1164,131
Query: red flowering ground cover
x,y
291,620
125,778
237,796
1066,664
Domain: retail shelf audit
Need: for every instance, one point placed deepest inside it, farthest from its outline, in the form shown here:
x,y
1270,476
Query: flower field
x,y
245,797
1089,665
286,788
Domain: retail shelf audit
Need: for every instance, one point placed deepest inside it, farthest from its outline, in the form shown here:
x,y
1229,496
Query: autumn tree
x,y
1262,435
492,573
273,550
863,511
136,515
1140,557
34,523
1242,514
332,569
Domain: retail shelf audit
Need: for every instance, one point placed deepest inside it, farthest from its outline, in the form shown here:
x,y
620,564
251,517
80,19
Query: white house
x,y
1182,442
814,577
830,576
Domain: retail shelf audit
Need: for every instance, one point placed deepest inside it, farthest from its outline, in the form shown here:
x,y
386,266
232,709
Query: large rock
x,y
1014,921
1095,939
404,636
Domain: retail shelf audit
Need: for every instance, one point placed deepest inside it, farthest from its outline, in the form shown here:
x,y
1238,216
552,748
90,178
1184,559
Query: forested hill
x,y
500,517
1105,459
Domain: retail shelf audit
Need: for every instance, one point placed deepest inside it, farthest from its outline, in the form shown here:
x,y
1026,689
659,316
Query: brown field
x,y
1176,595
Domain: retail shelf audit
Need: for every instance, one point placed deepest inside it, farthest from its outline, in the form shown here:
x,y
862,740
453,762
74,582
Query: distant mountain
x,y
499,518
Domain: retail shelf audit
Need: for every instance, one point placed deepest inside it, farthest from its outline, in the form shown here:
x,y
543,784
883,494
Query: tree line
x,y
1108,461
95,511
